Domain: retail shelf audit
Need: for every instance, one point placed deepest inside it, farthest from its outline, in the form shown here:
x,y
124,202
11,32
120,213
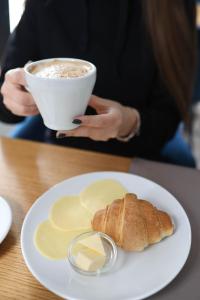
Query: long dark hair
x,y
172,28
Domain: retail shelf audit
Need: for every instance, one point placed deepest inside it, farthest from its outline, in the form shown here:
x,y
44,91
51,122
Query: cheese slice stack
x,y
70,216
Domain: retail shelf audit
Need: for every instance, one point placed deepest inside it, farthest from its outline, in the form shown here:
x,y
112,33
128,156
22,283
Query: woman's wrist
x,y
131,124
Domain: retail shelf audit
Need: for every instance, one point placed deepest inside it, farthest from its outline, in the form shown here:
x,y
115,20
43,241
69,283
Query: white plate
x,y
5,218
135,275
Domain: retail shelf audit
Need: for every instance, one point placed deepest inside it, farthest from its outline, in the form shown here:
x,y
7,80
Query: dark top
x,y
112,35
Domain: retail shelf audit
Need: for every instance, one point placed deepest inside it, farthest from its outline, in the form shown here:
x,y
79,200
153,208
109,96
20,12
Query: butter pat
x,y
90,260
92,253
94,243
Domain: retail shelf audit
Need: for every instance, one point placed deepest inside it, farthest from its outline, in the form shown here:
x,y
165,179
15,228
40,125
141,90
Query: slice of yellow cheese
x,y
94,242
101,193
68,214
52,242
90,260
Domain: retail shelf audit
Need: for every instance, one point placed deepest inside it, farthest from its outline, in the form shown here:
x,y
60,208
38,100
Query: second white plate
x,y
5,218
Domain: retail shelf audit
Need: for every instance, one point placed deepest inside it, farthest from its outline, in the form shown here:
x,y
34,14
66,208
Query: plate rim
x,y
9,222
144,296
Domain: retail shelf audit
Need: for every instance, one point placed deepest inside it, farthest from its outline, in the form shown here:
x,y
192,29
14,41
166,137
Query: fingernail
x,y
77,121
60,135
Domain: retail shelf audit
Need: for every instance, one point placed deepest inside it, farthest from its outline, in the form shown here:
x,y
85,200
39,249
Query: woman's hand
x,y
15,96
112,120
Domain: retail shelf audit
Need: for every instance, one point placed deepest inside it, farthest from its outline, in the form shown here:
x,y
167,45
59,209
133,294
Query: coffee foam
x,y
61,69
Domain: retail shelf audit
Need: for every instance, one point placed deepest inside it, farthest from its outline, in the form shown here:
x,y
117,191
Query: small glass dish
x,y
110,251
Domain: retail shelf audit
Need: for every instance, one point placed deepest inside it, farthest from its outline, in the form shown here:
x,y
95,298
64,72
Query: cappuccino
x,y
61,88
61,69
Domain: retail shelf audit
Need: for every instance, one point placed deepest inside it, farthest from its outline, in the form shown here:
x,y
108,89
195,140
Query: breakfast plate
x,y
136,275
5,218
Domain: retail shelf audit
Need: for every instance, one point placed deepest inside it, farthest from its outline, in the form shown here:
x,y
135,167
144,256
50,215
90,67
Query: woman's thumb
x,y
97,103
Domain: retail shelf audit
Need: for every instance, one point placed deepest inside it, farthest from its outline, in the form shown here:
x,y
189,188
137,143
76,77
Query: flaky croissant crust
x,y
133,223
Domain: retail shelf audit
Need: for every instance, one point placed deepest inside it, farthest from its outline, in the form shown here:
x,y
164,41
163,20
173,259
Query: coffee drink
x,y
61,69
61,88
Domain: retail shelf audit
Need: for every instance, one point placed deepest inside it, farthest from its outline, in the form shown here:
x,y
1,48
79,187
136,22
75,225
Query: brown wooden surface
x,y
27,170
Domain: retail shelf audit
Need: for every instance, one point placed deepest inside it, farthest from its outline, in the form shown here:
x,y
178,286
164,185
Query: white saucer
x,y
5,219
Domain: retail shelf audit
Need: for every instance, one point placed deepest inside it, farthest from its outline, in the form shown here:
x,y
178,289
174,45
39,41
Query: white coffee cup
x,y
60,100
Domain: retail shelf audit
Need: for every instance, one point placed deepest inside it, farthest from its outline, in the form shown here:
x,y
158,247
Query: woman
x,y
145,56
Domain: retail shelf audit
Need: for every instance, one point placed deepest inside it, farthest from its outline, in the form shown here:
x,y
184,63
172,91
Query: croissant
x,y
132,223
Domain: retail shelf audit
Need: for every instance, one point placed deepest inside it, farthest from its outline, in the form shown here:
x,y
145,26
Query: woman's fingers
x,y
97,121
102,126
112,120
109,114
96,134
16,76
99,104
14,92
15,97
20,110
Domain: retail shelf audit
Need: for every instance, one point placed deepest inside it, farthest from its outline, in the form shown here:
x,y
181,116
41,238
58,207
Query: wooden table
x,y
27,170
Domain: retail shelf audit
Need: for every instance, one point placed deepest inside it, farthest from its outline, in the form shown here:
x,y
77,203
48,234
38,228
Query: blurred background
x,y
10,13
